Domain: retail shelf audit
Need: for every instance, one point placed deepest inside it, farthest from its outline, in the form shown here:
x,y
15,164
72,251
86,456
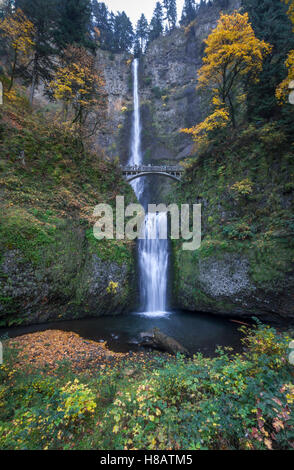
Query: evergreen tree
x,y
42,13
142,31
171,13
104,22
123,33
74,23
5,8
270,23
189,12
156,25
137,48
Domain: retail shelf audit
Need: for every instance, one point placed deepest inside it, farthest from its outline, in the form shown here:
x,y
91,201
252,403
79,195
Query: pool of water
x,y
197,332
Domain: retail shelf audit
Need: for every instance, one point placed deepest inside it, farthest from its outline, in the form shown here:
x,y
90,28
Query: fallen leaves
x,y
51,347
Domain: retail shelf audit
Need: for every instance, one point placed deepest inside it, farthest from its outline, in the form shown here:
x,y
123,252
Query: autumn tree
x,y
290,4
79,84
232,52
271,24
283,89
19,31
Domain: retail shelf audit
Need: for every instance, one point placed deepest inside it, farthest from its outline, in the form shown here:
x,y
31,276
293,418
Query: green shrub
x,y
238,231
233,401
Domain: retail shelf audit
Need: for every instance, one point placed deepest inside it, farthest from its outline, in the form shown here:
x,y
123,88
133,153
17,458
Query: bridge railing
x,y
152,168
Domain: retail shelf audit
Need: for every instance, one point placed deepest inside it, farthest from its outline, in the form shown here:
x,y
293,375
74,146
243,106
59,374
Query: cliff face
x,y
169,81
169,100
118,79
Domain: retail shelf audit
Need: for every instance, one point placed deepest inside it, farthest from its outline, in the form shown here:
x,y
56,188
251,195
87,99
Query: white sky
x,y
134,8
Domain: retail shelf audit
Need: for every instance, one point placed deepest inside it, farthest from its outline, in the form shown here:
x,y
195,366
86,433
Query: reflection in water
x,y
197,332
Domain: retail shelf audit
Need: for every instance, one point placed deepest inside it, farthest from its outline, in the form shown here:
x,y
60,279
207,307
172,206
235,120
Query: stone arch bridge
x,y
133,172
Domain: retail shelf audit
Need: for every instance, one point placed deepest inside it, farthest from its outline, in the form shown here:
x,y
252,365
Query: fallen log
x,y
240,322
158,340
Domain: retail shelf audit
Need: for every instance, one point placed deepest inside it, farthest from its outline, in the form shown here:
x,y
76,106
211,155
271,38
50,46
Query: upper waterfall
x,y
136,154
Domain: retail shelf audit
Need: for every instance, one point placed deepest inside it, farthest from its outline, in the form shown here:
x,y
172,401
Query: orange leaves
x,y
19,30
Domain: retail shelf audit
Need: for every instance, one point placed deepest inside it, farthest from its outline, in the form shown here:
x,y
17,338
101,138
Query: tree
x,y
6,8
290,4
137,48
156,25
219,119
283,88
189,12
79,84
74,24
19,32
171,13
42,13
103,21
232,53
123,33
142,31
271,24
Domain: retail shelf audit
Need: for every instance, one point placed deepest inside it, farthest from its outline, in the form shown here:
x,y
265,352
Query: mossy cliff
x,y
245,265
51,266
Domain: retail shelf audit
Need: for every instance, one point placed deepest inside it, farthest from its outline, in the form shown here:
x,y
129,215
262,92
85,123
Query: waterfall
x,y
152,251
136,153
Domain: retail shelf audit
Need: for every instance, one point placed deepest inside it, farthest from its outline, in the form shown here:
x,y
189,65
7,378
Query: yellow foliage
x,y
217,120
290,10
112,288
283,89
19,30
11,96
78,82
244,187
232,50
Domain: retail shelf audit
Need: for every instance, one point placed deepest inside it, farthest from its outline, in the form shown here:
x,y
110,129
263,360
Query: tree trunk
x,y
159,340
34,80
13,71
232,112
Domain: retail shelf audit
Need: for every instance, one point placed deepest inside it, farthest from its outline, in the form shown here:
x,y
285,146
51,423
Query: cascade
x,y
152,251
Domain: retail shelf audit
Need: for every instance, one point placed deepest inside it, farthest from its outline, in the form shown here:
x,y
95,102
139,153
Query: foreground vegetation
x,y
229,402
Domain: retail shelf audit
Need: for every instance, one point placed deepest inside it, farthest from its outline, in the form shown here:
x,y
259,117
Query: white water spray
x,y
153,254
